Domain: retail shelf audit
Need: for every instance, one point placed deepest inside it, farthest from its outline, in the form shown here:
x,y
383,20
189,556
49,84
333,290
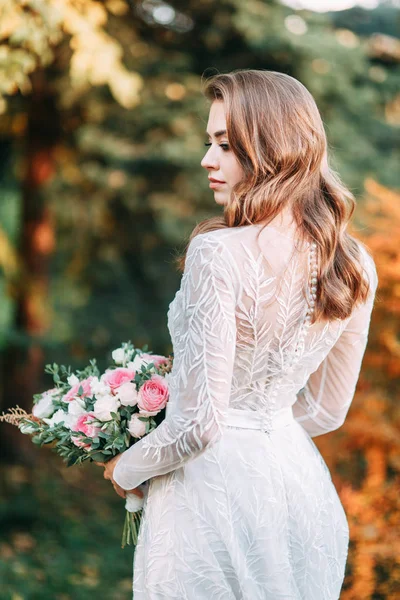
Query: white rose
x,y
99,388
76,408
72,380
118,356
104,406
127,394
137,363
58,417
136,428
26,428
45,407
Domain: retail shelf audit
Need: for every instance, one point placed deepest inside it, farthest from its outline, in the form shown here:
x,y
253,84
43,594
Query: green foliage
x,y
32,31
61,534
10,208
124,191
127,186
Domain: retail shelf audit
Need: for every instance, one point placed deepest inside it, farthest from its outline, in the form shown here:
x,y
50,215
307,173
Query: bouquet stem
x,y
131,528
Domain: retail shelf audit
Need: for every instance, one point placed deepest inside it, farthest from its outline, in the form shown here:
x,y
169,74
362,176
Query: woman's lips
x,y
215,183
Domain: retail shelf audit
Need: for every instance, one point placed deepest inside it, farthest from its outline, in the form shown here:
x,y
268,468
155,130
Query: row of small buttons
x,y
313,270
312,295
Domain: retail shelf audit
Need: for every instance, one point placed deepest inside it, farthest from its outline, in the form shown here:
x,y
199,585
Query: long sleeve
x,y
323,403
202,372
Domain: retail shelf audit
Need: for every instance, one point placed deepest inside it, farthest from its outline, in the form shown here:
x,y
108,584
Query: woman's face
x,y
224,170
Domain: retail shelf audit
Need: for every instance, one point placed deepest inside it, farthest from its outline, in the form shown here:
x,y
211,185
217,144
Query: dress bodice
x,y
273,281
243,338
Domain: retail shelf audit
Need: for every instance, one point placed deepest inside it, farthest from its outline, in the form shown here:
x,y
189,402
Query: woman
x,y
269,329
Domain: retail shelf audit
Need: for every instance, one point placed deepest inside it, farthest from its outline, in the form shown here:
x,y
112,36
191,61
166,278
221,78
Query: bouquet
x,y
92,416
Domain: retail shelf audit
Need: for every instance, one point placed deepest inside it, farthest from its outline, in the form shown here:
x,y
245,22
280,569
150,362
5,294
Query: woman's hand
x,y
109,467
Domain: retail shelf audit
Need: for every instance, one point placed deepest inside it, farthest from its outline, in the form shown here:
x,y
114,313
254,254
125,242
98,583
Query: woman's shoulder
x,y
225,235
213,250
213,238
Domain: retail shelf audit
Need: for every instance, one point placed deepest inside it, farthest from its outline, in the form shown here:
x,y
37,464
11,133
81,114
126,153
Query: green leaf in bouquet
x,y
98,456
120,444
72,460
58,403
84,439
89,403
125,413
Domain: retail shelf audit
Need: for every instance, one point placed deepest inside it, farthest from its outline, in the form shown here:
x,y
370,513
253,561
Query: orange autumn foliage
x,y
364,455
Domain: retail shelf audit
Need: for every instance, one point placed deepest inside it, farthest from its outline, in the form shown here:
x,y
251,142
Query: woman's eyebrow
x,y
217,134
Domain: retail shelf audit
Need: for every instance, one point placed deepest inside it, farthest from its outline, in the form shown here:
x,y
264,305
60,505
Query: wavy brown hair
x,y
276,132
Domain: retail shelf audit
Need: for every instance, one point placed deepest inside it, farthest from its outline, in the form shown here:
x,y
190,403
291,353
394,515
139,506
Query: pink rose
x,y
117,377
80,443
73,392
85,424
153,395
156,359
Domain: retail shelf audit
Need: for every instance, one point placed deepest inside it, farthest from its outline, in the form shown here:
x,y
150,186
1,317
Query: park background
x,y
102,125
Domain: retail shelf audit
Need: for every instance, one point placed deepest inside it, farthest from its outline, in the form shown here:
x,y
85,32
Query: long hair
x,y
276,132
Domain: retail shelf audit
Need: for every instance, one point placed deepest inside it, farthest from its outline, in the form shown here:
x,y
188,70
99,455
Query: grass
x,y
61,534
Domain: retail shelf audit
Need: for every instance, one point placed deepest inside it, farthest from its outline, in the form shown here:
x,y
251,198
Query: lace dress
x,y
240,504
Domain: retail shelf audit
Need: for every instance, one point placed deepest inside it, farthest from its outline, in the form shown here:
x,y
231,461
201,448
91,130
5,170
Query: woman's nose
x,y
210,160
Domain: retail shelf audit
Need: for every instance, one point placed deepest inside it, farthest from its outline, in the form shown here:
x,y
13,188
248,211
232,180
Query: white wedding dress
x,y
240,504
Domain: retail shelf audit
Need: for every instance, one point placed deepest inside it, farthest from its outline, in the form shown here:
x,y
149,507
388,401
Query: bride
x,y
269,329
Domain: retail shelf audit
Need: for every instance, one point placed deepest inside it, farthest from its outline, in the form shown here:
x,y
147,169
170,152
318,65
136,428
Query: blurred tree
x,y
33,31
35,35
119,188
364,456
103,120
384,19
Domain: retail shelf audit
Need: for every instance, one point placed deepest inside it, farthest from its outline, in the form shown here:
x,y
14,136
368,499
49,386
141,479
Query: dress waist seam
x,y
252,419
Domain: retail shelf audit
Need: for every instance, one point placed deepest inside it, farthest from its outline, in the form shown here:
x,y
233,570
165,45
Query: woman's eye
x,y
224,147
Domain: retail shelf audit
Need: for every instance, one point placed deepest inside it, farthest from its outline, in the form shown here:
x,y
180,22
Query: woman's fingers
x,y
108,472
119,490
137,492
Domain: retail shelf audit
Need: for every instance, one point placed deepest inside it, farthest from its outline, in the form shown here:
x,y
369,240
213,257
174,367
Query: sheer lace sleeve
x,y
202,371
323,403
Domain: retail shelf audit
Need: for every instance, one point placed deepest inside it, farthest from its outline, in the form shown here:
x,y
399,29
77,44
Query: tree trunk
x,y
23,356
